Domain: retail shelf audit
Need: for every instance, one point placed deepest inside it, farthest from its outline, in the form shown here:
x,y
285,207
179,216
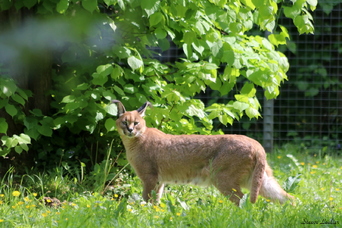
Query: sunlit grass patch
x,y
318,198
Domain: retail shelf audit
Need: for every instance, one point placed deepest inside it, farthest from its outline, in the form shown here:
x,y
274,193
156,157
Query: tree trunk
x,y
31,70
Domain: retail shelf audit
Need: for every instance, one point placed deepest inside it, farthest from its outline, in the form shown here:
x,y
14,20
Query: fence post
x,y
268,125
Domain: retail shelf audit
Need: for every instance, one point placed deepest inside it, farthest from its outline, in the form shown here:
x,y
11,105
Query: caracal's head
x,y
131,124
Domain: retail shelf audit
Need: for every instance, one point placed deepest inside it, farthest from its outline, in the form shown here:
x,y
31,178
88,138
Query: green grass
x,y
318,193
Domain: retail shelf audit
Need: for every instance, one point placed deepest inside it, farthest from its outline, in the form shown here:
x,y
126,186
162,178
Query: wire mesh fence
x,y
308,111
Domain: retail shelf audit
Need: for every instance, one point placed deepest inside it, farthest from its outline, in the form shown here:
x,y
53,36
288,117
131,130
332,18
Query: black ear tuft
x,y
121,107
142,109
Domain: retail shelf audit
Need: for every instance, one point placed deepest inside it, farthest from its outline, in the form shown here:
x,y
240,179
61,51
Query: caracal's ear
x,y
121,108
142,109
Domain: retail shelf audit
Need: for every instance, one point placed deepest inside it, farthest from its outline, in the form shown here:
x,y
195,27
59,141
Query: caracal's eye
x,y
124,122
136,123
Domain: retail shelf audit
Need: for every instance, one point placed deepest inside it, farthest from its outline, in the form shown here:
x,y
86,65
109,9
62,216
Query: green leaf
x,y
312,3
194,107
62,6
3,126
68,99
17,98
18,149
248,3
24,94
104,69
292,182
156,18
7,88
111,109
252,112
277,39
119,90
241,106
45,130
248,90
89,5
24,147
83,86
228,55
160,33
99,116
108,95
129,88
11,110
30,3
150,6
258,77
311,92
99,79
116,72
134,62
10,142
292,12
36,112
110,124
24,139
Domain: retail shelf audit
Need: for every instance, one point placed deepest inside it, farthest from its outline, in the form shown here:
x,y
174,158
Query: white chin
x,y
130,135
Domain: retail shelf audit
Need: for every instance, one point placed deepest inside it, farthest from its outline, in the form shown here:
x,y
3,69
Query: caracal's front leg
x,y
151,187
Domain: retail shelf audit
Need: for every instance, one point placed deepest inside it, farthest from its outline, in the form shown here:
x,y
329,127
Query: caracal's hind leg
x,y
229,187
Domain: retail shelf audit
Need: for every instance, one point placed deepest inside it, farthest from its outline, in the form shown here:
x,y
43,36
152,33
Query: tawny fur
x,y
229,162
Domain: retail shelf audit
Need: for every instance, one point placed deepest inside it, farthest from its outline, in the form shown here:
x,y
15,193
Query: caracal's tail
x,y
271,189
258,174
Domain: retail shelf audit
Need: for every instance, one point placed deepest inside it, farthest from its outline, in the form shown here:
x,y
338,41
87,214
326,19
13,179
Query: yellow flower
x,y
315,166
26,199
34,194
331,198
1,220
178,214
279,157
2,195
16,193
20,203
337,189
88,205
323,189
220,201
1,202
44,214
312,172
302,163
116,195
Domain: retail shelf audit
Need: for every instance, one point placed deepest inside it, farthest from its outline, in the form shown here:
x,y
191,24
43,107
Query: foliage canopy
x,y
110,49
